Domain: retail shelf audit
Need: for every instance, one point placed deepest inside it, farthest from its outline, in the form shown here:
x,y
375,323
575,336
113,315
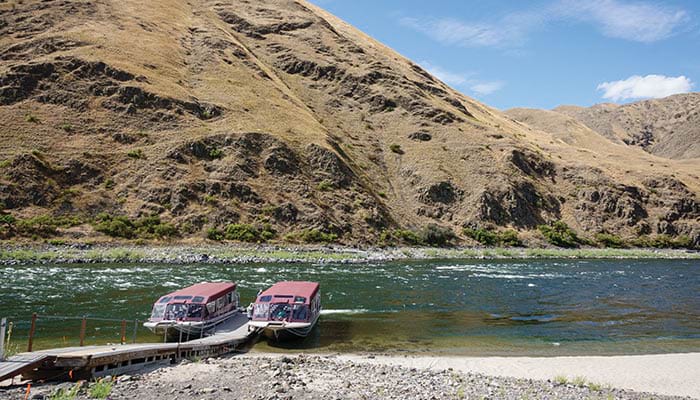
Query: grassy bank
x,y
214,254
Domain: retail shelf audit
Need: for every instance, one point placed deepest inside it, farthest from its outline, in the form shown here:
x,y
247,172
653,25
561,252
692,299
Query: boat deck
x,y
91,361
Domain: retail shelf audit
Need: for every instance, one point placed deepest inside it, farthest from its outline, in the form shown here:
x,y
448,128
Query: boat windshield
x,y
175,311
300,312
280,312
158,311
195,311
261,310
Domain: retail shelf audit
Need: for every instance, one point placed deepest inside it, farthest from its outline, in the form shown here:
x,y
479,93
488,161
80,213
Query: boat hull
x,y
285,330
189,328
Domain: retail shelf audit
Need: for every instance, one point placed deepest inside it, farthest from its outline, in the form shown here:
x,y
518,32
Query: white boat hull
x,y
190,328
280,329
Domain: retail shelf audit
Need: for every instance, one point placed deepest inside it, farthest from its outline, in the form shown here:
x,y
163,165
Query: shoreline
x,y
362,376
23,254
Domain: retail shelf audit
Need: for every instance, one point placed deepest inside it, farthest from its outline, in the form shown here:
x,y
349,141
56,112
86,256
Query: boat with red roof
x,y
195,309
287,309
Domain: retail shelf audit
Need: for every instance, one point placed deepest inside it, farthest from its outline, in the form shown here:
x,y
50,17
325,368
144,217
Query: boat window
x,y
158,311
195,311
280,312
300,312
182,297
284,296
265,299
220,302
198,299
164,299
260,311
211,307
300,299
175,311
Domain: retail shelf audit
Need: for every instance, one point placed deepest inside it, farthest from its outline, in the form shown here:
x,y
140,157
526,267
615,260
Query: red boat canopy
x,y
206,291
287,292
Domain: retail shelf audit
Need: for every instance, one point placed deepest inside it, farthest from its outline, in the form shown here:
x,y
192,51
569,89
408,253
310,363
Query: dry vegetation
x,y
273,120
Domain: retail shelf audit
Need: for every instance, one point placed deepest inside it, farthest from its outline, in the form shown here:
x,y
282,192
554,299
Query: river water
x,y
459,307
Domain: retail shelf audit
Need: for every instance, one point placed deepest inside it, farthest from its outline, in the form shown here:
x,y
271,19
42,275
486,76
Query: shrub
x,y
559,234
317,236
31,118
510,238
608,240
483,236
241,232
392,237
136,154
5,163
118,226
44,225
396,148
507,238
67,127
7,219
382,194
145,228
325,186
436,235
215,234
664,242
109,183
216,153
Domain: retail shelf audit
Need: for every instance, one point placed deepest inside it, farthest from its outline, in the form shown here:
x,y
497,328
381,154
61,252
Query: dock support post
x,y
32,328
3,325
179,340
136,327
83,327
123,341
165,335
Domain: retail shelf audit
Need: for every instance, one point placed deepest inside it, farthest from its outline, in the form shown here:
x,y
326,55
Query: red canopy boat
x,y
195,309
287,308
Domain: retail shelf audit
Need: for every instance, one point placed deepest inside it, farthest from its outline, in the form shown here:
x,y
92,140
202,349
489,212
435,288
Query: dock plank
x,y
16,365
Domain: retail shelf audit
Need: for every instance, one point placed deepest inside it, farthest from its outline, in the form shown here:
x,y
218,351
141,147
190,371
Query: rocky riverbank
x,y
18,254
259,377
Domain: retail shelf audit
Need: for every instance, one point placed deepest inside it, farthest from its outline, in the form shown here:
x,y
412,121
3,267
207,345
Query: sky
x,y
541,53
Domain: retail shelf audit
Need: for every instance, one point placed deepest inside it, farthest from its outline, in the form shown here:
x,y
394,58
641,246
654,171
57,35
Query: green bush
x,y
609,240
241,233
397,236
5,163
136,154
559,234
215,234
31,118
483,236
7,219
216,153
396,148
507,238
150,227
317,236
663,242
436,235
325,186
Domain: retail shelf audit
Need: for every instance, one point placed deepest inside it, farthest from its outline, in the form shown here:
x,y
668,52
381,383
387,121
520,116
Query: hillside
x,y
281,117
668,127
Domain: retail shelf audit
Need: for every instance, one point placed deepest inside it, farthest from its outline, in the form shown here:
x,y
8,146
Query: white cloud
x,y
643,87
464,80
635,21
486,88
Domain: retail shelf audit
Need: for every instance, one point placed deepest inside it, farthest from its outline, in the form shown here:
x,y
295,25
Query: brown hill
x,y
668,127
278,115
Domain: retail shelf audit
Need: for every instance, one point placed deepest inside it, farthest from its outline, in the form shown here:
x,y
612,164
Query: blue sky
x,y
542,53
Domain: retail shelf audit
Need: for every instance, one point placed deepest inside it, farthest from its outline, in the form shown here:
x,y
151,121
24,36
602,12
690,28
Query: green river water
x,y
456,307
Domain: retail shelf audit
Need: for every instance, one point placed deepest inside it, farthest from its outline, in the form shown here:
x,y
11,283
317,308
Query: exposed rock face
x,y
277,113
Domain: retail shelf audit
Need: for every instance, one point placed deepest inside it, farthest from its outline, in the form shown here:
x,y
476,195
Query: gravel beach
x,y
267,376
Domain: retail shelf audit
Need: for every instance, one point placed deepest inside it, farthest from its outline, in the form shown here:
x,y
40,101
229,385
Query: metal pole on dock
x,y
123,331
136,327
83,326
32,328
3,325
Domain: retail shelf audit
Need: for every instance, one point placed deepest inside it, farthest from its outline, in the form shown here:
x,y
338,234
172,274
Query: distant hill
x,y
668,127
274,120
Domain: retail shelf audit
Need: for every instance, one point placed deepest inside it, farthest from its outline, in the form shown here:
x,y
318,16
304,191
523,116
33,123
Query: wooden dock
x,y
94,361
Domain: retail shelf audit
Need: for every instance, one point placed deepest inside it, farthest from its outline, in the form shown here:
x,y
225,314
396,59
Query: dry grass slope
x,y
280,118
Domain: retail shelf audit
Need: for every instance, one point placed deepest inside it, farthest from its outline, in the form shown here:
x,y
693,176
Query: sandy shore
x,y
669,374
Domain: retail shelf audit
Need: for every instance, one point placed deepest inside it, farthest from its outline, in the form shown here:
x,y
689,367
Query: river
x,y
458,307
